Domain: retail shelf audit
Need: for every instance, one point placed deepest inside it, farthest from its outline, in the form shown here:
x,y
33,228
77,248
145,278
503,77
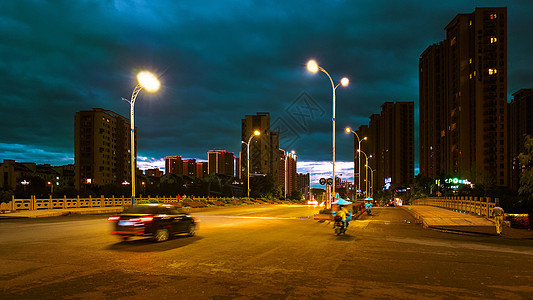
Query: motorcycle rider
x,y
368,206
344,214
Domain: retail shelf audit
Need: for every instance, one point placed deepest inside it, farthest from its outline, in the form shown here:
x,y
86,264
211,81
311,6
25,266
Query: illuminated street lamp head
x,y
148,81
348,129
365,138
358,150
345,81
312,66
293,152
257,132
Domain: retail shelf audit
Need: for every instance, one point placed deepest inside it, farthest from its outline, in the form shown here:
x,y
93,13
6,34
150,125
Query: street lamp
x,y
248,157
313,67
150,83
366,170
371,180
348,130
24,184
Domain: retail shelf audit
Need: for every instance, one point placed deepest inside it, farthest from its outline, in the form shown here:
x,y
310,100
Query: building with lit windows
x,y
390,143
173,165
463,100
221,162
264,148
101,148
287,166
520,125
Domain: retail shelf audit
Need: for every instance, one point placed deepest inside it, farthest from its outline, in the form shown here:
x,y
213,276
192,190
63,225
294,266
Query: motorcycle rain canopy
x,y
342,202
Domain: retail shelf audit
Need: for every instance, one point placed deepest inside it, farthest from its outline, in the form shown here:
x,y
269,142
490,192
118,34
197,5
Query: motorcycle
x,y
368,209
368,206
338,226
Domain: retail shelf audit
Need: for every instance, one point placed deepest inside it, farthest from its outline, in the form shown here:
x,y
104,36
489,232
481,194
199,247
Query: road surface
x,y
270,252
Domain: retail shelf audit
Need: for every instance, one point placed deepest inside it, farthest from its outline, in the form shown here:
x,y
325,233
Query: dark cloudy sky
x,y
218,61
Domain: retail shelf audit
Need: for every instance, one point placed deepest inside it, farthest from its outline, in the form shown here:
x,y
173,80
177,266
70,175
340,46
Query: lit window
x,y
493,40
493,16
470,61
493,71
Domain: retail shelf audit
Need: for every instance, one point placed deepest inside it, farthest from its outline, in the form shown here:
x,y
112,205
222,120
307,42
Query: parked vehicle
x,y
158,221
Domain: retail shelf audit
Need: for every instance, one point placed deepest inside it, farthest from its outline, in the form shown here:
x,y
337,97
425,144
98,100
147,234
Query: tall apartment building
x,y
463,111
101,148
391,144
202,169
263,149
221,162
287,166
237,164
520,124
303,183
189,167
173,165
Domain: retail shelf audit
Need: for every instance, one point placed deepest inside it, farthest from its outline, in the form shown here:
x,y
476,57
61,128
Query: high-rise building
x,y
189,167
389,147
303,183
201,169
463,88
101,148
238,170
287,165
263,148
174,165
520,125
221,162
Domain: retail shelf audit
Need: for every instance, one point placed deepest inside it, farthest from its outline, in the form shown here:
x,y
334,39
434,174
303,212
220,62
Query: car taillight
x,y
146,219
114,218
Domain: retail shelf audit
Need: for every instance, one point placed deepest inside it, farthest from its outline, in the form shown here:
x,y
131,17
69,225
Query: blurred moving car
x,y
160,221
312,202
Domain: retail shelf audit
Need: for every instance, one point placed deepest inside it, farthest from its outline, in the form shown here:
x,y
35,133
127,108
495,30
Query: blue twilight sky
x,y
218,61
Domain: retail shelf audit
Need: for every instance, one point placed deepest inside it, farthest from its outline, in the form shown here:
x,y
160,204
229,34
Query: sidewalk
x,y
43,213
441,218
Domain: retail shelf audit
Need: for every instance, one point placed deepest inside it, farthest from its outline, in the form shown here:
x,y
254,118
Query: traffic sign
x,y
322,181
330,181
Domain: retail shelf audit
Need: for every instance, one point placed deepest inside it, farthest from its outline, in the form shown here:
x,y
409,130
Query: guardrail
x,y
481,206
62,203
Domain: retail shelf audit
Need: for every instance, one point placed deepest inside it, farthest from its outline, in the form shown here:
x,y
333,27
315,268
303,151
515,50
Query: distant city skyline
x,y
217,62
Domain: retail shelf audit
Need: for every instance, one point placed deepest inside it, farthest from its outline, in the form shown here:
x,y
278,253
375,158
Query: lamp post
x,y
348,130
24,184
371,180
248,158
313,67
150,83
51,184
366,170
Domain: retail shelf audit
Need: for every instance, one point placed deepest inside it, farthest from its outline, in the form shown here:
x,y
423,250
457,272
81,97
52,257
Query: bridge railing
x,y
33,203
481,206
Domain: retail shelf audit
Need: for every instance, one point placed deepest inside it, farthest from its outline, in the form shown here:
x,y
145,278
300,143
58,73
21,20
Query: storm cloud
x,y
218,61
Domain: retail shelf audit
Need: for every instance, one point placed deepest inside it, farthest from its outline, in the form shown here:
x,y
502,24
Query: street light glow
x,y
312,66
148,81
345,81
257,132
348,130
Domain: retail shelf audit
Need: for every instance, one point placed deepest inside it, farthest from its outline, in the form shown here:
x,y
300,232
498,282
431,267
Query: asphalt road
x,y
270,252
